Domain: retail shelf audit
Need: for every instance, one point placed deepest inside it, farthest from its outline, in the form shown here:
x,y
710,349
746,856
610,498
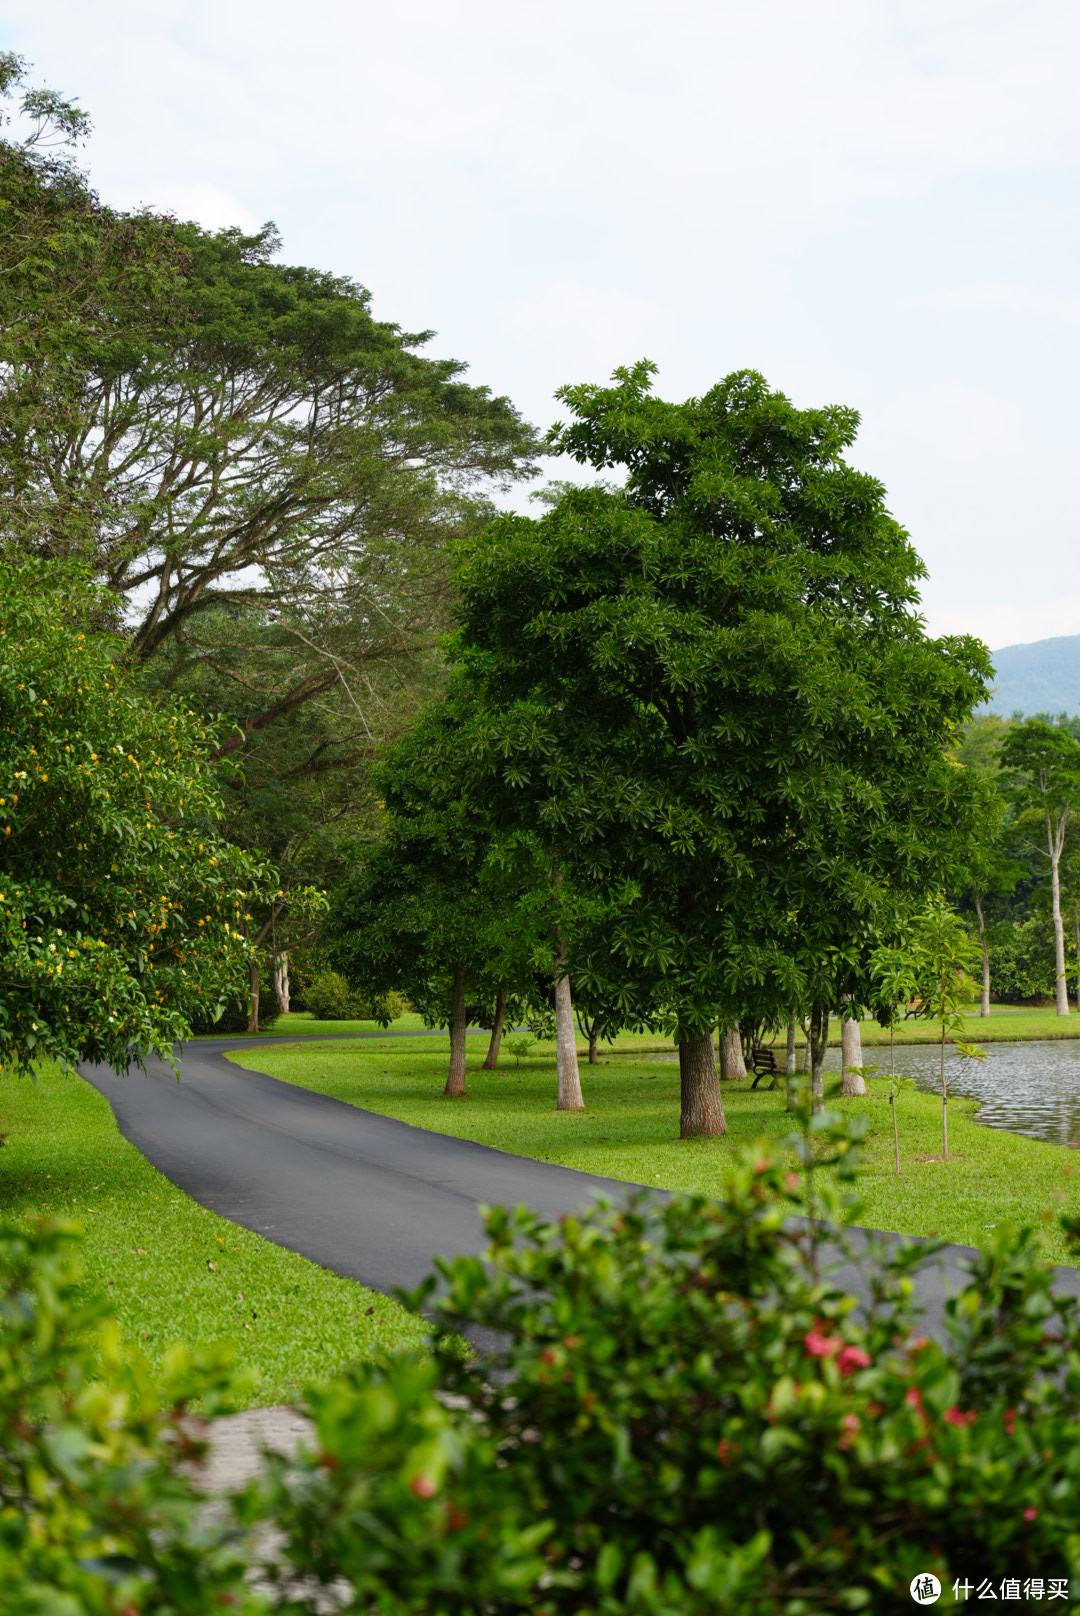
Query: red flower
x,y
850,1428
852,1358
791,1180
1010,1422
956,1416
423,1487
1030,1513
726,1451
819,1345
913,1398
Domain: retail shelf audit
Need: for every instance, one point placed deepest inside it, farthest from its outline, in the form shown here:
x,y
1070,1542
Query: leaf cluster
x,y
710,693
122,910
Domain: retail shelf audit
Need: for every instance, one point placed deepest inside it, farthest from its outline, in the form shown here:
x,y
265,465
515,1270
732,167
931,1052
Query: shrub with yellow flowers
x,y
122,910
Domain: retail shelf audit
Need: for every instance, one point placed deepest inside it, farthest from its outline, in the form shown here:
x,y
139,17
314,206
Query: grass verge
x,y
170,1269
1005,1023
629,1131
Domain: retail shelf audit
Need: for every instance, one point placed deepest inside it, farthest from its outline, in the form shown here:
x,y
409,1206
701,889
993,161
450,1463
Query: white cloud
x,y
870,203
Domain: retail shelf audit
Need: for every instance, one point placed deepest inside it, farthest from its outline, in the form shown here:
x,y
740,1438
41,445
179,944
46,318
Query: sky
x,y
873,204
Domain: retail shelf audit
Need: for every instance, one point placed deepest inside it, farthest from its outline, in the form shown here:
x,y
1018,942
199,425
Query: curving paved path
x,y
362,1194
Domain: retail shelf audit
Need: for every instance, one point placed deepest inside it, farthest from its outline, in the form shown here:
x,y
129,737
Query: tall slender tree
x,y
1042,765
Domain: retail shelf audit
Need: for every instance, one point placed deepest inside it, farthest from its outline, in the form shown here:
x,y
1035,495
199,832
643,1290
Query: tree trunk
x,y
1076,917
732,1064
804,1058
851,1081
702,1109
569,1078
944,1101
819,1043
455,1077
492,1056
791,1086
1055,841
593,1053
984,1000
281,980
253,994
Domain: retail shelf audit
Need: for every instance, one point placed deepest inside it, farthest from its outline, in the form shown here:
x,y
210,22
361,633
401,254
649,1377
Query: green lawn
x,y
149,1248
1005,1022
629,1131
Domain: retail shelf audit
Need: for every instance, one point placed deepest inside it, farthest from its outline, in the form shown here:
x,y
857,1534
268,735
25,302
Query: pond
x,y
1031,1087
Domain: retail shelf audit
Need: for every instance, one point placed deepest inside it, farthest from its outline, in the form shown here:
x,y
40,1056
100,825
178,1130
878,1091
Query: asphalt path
x,y
365,1195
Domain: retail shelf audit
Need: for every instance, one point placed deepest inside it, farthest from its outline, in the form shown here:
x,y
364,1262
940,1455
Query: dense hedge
x,y
680,1418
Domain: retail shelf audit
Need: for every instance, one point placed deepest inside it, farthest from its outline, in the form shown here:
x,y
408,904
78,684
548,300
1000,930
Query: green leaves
x,y
682,1412
122,911
709,693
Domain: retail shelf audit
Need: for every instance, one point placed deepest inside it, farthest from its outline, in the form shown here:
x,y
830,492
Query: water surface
x,y
1031,1087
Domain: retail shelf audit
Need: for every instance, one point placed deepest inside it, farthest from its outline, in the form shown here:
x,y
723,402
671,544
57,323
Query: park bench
x,y
763,1064
913,1008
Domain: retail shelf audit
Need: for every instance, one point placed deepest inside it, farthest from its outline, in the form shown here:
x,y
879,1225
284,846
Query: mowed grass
x,y
629,1131
302,1021
1006,1022
170,1269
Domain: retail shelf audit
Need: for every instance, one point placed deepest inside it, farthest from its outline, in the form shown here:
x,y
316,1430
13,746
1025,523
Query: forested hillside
x,y
1043,677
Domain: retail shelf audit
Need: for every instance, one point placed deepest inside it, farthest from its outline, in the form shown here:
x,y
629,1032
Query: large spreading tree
x,y
265,476
710,691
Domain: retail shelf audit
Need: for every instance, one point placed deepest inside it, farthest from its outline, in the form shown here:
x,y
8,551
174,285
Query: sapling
x,y
942,953
520,1045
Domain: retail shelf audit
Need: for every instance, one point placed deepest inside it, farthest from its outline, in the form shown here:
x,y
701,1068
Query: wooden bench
x,y
913,1008
763,1064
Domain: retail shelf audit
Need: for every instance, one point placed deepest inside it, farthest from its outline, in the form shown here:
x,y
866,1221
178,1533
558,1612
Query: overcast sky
x,y
873,203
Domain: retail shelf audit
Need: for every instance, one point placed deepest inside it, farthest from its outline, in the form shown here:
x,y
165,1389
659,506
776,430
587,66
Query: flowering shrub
x,y
679,1414
681,1418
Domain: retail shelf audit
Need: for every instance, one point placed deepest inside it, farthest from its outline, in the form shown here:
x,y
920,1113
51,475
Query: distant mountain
x,y
1043,677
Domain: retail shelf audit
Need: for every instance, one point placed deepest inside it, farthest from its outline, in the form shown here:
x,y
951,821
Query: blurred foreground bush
x,y
681,1418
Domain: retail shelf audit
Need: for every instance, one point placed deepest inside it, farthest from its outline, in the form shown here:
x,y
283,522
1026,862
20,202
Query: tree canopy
x,y
712,693
122,910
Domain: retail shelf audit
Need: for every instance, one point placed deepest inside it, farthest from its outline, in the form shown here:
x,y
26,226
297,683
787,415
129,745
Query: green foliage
x,y
99,1516
710,694
330,998
684,1418
682,1414
519,1044
941,955
1041,763
121,909
266,476
439,894
1023,960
